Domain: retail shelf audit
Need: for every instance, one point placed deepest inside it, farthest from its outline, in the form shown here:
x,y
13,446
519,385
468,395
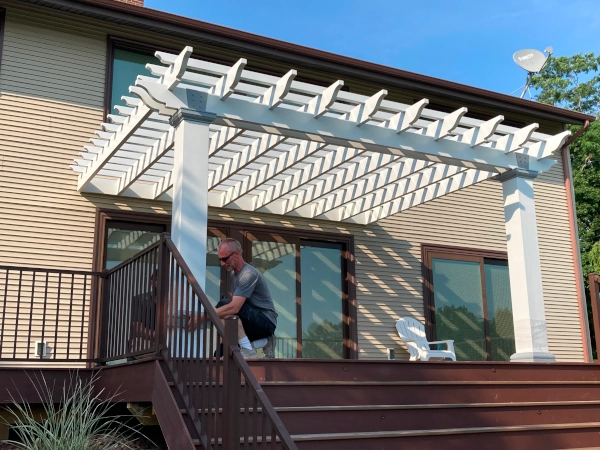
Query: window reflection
x,y
277,262
127,65
322,325
122,244
459,307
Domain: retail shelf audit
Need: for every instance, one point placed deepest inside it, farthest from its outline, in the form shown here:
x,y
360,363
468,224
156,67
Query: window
x,y
125,239
126,62
467,295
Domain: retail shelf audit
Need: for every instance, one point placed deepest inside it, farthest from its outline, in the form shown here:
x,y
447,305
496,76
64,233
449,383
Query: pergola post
x,y
525,271
190,188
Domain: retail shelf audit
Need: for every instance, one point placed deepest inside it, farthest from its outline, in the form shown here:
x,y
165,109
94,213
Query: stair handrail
x,y
234,365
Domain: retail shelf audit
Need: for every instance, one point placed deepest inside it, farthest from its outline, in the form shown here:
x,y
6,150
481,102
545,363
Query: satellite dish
x,y
530,60
533,61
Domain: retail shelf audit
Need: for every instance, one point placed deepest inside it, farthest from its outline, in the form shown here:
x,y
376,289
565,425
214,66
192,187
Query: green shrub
x,y
82,421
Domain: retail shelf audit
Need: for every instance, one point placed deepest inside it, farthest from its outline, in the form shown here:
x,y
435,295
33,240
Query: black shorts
x,y
256,324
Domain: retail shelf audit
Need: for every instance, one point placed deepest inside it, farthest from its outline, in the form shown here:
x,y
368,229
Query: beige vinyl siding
x,y
45,119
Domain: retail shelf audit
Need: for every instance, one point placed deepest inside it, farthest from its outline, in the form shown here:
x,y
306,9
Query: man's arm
x,y
230,309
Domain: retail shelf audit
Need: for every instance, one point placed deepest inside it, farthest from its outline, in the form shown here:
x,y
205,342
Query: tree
x,y
574,83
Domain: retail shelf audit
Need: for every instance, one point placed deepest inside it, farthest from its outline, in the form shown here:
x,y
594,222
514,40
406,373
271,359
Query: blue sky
x,y
466,41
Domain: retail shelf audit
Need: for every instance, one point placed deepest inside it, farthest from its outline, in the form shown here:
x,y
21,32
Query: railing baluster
x,y
83,309
255,420
4,303
203,354
263,431
17,316
31,313
70,319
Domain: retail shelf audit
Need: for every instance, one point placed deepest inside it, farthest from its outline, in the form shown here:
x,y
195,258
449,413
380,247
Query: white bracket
x,y
149,100
275,94
365,111
321,103
174,73
406,119
481,134
443,127
544,149
226,85
515,141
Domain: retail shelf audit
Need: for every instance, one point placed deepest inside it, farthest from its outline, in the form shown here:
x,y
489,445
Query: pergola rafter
x,y
287,147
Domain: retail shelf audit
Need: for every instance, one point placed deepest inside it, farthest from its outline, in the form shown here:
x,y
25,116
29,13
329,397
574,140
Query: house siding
x,y
51,101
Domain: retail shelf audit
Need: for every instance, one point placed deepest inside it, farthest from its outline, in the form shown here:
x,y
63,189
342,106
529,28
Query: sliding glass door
x,y
305,279
472,304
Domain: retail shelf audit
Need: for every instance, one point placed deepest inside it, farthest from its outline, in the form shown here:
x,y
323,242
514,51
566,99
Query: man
x,y
251,302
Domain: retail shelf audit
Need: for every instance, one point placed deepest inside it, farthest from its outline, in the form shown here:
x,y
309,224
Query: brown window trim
x,y
105,215
2,27
428,252
238,231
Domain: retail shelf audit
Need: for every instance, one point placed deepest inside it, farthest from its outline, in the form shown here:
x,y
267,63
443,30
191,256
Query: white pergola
x,y
202,134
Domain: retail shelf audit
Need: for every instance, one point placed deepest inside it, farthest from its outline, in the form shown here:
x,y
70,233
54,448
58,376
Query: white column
x,y
524,267
190,188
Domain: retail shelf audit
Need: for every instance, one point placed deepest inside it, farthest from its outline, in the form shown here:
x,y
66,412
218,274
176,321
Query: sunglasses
x,y
225,258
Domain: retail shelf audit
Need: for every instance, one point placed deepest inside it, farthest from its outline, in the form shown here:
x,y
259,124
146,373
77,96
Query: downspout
x,y
568,179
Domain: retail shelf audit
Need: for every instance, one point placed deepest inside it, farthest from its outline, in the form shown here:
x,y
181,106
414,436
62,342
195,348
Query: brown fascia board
x,y
160,21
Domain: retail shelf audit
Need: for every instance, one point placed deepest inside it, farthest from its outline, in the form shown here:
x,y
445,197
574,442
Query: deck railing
x,y
148,305
44,314
127,312
224,397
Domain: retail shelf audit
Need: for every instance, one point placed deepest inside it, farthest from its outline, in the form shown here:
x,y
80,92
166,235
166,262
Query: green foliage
x,y
570,82
323,340
81,421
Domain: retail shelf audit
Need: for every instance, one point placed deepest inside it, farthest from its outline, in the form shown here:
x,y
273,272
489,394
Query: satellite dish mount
x,y
533,61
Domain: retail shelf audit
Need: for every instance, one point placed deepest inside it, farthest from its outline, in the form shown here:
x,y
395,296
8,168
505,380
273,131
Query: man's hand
x,y
193,321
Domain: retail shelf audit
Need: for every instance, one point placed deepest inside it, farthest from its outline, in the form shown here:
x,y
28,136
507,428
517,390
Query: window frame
x,y
112,43
431,251
2,28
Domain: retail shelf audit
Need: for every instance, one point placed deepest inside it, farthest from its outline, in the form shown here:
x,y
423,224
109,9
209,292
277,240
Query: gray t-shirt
x,y
250,283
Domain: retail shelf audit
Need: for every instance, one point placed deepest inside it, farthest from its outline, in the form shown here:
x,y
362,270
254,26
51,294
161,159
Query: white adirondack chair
x,y
412,333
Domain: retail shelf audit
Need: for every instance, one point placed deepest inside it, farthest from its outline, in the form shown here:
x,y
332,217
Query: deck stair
x,y
434,405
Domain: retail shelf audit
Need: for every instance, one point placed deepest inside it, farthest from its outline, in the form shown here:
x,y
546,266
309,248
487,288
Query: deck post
x,y
190,188
231,386
531,338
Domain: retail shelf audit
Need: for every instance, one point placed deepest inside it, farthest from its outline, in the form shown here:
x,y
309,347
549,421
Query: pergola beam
x,y
347,176
300,176
417,197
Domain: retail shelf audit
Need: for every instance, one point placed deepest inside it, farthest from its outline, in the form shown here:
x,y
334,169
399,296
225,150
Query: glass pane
x,y
322,332
127,65
123,244
502,333
277,262
459,307
213,270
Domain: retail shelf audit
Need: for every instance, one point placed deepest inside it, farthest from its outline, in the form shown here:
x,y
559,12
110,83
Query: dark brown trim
x,y
252,43
428,252
2,27
104,215
110,54
594,280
